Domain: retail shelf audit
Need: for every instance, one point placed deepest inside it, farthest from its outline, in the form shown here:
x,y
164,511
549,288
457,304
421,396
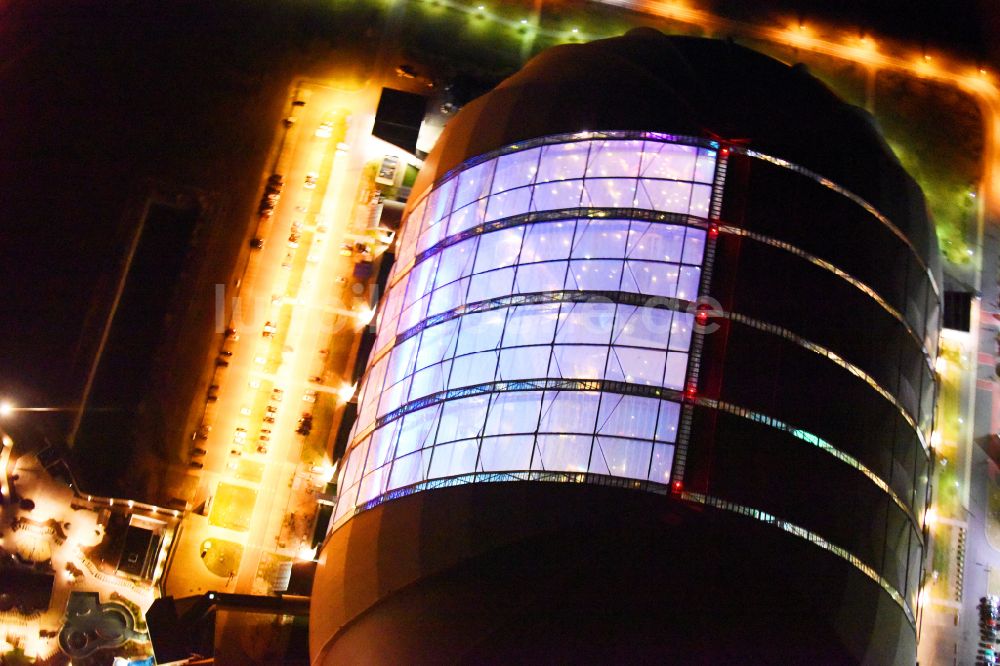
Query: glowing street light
x,y
346,392
8,408
941,364
365,315
930,516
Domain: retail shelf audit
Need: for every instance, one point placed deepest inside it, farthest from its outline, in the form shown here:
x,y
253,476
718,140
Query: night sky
x,y
99,97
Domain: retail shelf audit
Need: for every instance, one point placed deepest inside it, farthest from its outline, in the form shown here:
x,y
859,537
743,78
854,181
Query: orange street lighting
x,y
5,450
365,315
8,408
924,66
798,35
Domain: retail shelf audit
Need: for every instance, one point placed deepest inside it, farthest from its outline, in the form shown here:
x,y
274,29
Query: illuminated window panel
x,y
434,404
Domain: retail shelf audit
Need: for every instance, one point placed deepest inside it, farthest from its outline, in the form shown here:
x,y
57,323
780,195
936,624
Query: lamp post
x,y
6,445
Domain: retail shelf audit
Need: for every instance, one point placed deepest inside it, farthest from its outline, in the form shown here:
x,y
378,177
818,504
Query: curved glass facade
x,y
527,266
539,320
538,327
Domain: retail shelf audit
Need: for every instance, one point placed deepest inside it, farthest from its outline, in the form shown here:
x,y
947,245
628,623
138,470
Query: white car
x,y
325,130
310,183
309,396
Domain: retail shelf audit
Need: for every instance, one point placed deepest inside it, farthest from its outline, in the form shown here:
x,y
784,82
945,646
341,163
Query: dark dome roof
x,y
646,80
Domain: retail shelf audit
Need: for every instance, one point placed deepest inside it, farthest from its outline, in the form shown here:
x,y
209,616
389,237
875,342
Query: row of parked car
x,y
272,193
989,618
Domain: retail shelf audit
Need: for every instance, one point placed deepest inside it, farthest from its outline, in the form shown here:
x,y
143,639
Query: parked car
x,y
268,419
387,170
196,464
198,452
257,243
325,130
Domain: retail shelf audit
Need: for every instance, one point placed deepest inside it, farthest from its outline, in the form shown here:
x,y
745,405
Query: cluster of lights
x,y
523,26
347,391
365,315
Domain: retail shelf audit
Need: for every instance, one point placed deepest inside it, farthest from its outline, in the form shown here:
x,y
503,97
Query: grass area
x,y
950,393
222,557
323,411
248,470
946,490
937,133
947,498
993,582
993,515
232,507
267,567
941,560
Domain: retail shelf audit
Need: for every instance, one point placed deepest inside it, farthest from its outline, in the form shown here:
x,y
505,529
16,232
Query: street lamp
x,y
364,315
346,392
6,445
7,408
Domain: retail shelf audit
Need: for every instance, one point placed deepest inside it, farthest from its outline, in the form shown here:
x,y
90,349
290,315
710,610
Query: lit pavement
x,y
317,315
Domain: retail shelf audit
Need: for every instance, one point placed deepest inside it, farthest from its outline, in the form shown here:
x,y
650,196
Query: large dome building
x,y
653,379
